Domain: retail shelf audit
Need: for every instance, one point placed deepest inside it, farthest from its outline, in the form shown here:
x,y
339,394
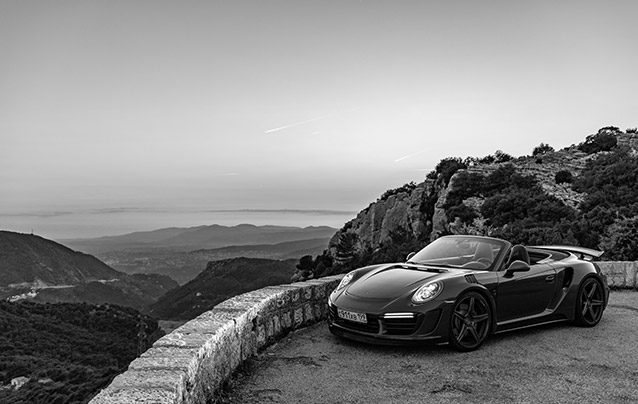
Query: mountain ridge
x,y
200,237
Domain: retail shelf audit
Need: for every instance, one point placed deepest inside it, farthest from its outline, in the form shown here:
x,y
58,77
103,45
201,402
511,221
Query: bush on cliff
x,y
611,195
542,149
620,240
604,140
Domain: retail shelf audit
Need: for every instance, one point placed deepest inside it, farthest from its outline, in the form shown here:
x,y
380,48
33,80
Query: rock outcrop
x,y
420,211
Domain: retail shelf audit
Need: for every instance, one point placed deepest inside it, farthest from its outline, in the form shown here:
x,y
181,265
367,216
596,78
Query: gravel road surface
x,y
550,364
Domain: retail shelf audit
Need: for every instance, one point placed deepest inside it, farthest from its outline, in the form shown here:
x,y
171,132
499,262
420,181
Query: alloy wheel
x,y
470,324
590,303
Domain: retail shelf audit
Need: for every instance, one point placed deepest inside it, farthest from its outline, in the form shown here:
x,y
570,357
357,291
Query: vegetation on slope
x,y
27,258
220,280
67,351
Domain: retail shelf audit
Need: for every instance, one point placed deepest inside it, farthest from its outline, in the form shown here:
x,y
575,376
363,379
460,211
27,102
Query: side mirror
x,y
516,266
409,257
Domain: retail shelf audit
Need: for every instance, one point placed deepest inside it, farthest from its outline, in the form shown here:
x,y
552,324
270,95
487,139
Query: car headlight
x,y
427,292
345,280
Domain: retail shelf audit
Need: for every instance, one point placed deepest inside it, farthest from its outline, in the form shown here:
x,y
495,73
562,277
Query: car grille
x,y
379,325
399,326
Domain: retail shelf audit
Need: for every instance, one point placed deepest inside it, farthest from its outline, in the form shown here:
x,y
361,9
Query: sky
x,y
118,116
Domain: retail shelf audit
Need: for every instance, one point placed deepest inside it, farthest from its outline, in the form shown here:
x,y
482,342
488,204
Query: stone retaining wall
x,y
620,274
191,363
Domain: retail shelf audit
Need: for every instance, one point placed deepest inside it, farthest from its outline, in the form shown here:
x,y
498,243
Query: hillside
x,y
584,194
42,270
65,353
26,258
220,280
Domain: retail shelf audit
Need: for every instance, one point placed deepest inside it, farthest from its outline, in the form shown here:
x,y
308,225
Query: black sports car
x,y
461,289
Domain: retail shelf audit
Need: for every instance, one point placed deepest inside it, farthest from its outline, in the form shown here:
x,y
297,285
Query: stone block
x,y
276,325
620,274
321,309
183,340
286,318
309,313
135,396
261,335
171,358
165,379
298,317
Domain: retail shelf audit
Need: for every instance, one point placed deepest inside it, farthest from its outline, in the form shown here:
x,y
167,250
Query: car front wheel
x,y
470,323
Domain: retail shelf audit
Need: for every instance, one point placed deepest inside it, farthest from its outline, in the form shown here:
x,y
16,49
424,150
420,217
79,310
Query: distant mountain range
x,y
201,237
184,266
182,253
39,270
44,271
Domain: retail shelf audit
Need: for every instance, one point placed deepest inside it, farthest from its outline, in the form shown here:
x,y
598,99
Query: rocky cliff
x,y
418,211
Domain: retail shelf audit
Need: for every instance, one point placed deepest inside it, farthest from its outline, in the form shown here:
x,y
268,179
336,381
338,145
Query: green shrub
x,y
620,240
448,167
542,149
604,140
563,177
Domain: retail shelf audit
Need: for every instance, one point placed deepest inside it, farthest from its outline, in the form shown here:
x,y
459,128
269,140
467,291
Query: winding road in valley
x,y
549,364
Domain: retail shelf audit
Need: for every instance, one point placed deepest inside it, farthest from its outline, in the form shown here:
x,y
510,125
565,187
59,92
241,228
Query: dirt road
x,y
551,364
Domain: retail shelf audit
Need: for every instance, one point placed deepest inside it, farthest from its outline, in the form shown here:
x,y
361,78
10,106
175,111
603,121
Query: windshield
x,y
460,251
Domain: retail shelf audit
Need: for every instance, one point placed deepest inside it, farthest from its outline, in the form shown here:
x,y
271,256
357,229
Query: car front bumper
x,y
430,325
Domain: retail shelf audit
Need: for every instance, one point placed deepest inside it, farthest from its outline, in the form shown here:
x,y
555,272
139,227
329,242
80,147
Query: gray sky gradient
x,y
301,105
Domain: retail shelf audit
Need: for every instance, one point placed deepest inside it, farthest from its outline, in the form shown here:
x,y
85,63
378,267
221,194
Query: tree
x,y
448,166
501,157
620,240
604,140
542,149
563,176
346,247
305,267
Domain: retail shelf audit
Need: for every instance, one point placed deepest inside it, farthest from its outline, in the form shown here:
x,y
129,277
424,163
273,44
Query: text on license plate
x,y
352,316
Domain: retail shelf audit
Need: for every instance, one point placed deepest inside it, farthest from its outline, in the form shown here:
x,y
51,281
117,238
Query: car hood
x,y
391,281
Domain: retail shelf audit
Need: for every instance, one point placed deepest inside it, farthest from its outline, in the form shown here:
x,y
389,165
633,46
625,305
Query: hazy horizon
x,y
66,225
162,114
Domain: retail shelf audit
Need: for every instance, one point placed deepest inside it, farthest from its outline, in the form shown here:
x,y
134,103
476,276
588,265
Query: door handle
x,y
550,278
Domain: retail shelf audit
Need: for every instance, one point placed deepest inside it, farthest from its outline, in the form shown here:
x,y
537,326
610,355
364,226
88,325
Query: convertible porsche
x,y
461,289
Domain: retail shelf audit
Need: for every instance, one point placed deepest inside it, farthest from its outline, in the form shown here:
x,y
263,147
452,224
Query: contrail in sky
x,y
408,156
297,123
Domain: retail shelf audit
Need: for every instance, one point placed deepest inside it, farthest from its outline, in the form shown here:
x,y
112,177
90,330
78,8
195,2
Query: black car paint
x,y
541,293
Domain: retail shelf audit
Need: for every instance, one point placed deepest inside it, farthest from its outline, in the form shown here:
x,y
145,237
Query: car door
x,y
524,294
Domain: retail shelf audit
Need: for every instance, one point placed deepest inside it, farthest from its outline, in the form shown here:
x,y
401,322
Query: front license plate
x,y
352,316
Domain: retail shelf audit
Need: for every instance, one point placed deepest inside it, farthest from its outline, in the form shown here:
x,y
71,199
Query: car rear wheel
x,y
470,323
590,302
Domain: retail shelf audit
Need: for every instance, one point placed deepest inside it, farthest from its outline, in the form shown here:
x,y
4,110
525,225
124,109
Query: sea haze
x,y
68,224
